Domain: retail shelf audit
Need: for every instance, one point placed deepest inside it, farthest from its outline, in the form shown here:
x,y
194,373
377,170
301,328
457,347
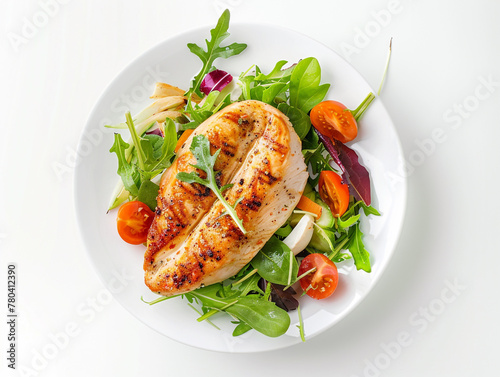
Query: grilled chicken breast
x,y
191,241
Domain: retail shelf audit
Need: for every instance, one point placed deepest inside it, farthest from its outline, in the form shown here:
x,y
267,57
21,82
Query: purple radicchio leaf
x,y
215,80
330,147
358,176
156,131
353,172
282,299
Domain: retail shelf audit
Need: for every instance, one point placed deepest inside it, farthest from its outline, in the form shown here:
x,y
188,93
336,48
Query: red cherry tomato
x,y
334,120
322,282
333,192
133,222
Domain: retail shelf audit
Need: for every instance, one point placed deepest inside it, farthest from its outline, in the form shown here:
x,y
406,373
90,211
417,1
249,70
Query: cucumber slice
x,y
327,220
322,240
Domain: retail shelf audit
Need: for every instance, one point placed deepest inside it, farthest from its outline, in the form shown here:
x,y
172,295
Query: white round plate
x,y
119,265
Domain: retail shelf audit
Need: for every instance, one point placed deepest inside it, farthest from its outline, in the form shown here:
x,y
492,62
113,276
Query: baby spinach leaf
x,y
264,316
305,91
271,92
275,262
148,193
241,329
300,120
252,310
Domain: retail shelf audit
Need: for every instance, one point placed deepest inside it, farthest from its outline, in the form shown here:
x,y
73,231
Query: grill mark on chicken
x,y
223,131
211,247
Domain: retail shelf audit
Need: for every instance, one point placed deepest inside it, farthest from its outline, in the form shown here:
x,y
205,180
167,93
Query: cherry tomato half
x,y
333,192
133,222
334,120
322,282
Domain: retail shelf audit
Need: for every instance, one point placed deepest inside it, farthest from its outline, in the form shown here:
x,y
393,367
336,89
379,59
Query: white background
x,y
444,79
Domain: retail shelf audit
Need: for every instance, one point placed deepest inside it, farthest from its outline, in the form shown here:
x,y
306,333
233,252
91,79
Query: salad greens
x,y
294,90
276,263
150,156
259,296
305,91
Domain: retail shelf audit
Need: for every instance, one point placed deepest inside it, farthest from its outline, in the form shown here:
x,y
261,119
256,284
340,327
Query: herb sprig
x,y
200,147
214,51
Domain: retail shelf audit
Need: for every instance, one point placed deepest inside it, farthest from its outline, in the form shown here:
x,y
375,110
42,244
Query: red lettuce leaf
x,y
282,299
353,172
215,80
330,147
357,175
156,131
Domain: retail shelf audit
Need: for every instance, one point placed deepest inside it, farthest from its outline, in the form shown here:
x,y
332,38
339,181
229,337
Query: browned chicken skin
x,y
191,243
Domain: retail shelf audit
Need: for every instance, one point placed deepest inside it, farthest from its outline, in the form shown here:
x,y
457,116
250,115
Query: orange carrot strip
x,y
306,204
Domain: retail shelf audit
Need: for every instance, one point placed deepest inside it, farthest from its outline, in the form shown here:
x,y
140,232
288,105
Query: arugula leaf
x,y
276,263
317,159
350,235
246,86
369,210
214,51
210,106
242,287
305,91
357,249
200,147
271,88
277,73
348,222
129,175
150,155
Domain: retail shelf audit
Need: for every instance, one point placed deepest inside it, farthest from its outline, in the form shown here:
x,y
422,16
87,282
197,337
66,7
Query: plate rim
x,y
402,190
